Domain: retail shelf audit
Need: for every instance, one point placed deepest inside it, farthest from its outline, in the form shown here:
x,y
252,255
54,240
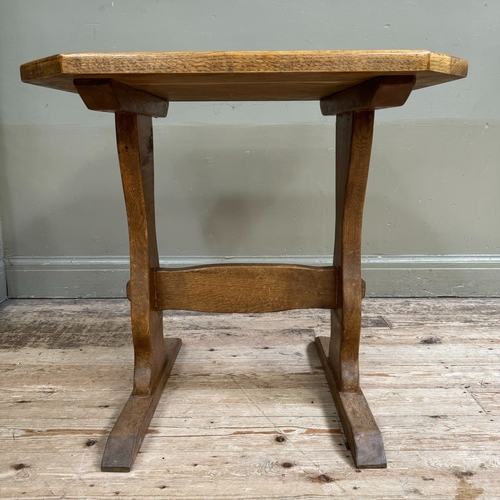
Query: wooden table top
x,y
243,76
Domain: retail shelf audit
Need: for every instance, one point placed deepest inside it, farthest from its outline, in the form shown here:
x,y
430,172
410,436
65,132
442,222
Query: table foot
x,y
361,430
126,437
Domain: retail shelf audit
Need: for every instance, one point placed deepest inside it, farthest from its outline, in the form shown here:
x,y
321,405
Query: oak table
x,y
139,86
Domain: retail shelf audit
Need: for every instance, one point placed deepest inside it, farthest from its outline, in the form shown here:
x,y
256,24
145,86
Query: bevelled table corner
x,y
139,86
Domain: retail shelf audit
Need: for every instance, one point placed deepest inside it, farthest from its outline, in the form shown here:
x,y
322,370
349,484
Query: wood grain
x,y
246,288
208,76
58,403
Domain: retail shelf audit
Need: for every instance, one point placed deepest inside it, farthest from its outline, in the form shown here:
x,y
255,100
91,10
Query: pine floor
x,y
247,412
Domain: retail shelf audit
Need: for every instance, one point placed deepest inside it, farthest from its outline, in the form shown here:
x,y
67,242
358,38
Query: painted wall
x,y
252,181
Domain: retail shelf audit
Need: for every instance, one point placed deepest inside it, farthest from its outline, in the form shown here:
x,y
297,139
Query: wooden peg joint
x,y
115,97
377,93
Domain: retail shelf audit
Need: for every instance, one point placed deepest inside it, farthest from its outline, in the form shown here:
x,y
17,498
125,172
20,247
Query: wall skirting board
x,y
385,276
3,281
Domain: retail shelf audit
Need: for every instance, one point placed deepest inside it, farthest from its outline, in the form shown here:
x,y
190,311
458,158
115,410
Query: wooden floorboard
x,y
247,412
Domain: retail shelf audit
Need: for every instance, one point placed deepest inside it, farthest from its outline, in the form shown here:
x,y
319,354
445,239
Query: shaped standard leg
x,y
153,362
153,356
340,354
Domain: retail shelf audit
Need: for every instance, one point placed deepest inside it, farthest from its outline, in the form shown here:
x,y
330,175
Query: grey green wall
x,y
252,181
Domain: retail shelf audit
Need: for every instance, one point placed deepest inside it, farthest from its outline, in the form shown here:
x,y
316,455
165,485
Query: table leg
x,y
153,362
153,356
339,354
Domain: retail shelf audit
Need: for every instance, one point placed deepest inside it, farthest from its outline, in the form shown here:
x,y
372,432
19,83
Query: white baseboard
x,y
385,276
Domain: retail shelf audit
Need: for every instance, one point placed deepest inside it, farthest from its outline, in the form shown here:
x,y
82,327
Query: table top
x,y
243,76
